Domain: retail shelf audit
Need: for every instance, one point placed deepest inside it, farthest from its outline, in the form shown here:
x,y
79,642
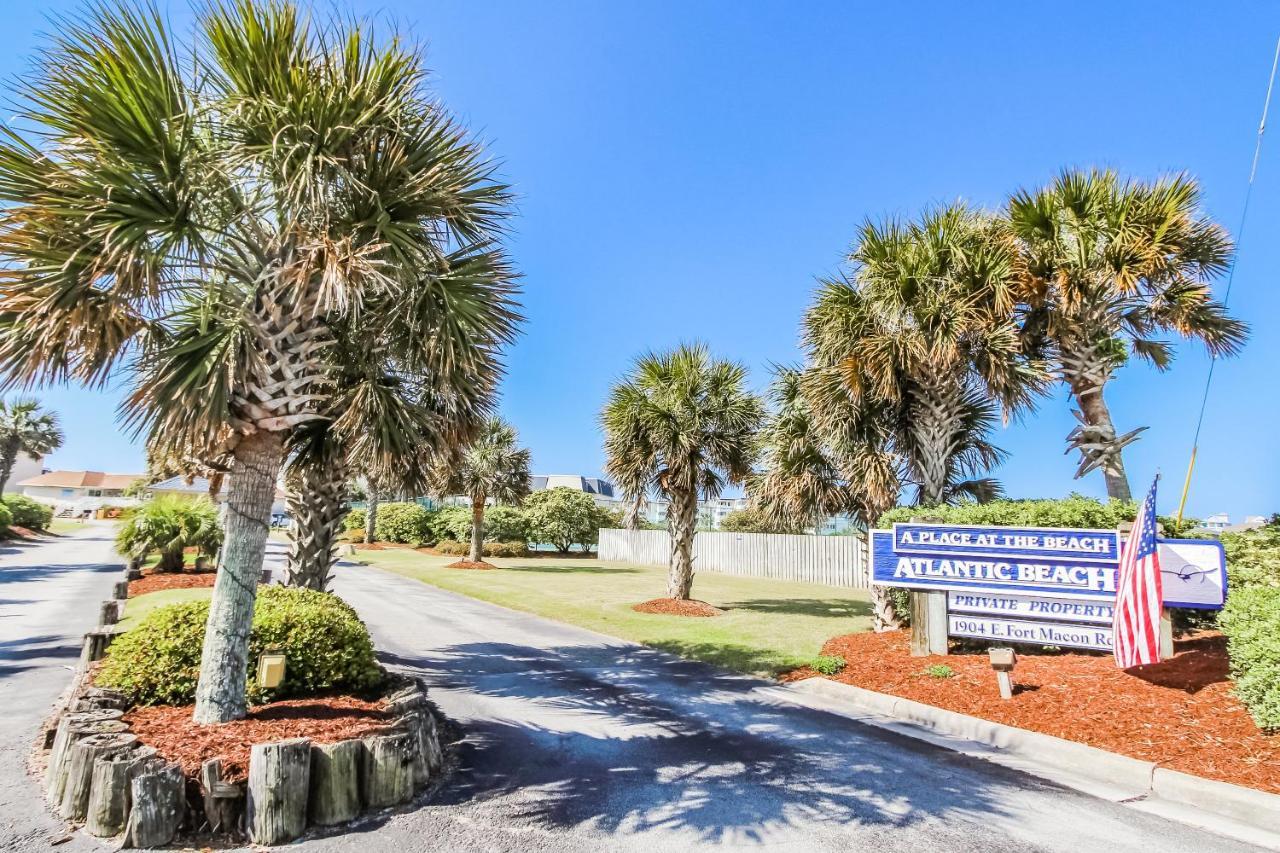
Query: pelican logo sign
x,y
1036,585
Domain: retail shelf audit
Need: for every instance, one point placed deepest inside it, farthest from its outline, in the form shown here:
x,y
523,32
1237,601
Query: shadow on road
x,y
24,574
624,740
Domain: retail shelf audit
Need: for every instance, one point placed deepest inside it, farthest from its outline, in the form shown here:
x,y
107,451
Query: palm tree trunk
x,y
682,521
477,529
371,513
884,617
1086,374
224,660
631,520
934,407
6,464
318,503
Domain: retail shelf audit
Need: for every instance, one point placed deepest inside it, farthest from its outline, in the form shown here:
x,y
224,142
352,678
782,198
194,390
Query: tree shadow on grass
x,y
834,608
737,658
619,739
573,570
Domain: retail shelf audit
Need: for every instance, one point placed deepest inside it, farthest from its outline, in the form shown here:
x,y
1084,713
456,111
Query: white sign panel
x,y
1015,606
1096,637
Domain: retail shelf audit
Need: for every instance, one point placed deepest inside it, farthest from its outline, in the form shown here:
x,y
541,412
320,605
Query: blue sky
x,y
685,170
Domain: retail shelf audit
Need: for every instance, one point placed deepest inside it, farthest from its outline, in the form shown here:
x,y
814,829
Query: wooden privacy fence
x,y
834,560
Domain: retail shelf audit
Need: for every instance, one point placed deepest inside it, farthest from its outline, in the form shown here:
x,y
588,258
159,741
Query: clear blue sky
x,y
686,169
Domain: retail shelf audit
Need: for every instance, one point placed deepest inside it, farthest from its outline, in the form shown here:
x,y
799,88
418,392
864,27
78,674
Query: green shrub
x,y
504,523
354,519
168,524
753,521
452,547
1072,511
6,517
402,522
451,522
828,664
28,513
1253,558
326,647
1251,621
939,670
565,517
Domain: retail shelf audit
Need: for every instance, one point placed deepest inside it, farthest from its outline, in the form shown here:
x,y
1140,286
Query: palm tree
x,y
25,428
1111,266
397,417
926,328
683,424
492,466
218,237
824,453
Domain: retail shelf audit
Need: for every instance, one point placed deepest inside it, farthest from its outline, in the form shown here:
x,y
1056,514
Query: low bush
x,y
402,522
939,670
1253,557
1072,511
326,648
1251,621
828,664
354,519
452,547
6,517
28,513
169,525
451,522
505,524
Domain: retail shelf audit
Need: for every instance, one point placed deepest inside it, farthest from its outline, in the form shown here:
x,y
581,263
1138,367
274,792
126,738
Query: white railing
x,y
832,560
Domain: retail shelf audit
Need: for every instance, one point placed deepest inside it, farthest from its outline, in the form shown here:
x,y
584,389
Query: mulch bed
x,y
325,720
470,564
1179,713
157,581
676,607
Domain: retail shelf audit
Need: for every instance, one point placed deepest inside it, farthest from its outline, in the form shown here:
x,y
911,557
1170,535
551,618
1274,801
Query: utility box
x,y
270,669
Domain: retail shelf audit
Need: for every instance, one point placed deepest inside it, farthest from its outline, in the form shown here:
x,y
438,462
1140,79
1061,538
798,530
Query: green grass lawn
x,y
769,627
136,608
63,526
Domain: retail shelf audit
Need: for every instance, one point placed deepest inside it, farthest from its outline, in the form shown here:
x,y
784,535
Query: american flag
x,y
1138,592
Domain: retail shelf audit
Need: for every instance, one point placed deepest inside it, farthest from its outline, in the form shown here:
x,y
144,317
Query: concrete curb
x,y
1251,809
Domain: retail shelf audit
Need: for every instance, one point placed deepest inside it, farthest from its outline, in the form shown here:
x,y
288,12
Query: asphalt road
x,y
576,742
50,594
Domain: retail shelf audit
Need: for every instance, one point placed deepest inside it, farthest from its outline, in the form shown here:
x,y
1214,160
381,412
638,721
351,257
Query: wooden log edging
x,y
100,777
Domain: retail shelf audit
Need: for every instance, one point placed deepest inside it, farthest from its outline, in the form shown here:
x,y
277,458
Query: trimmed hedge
x,y
402,522
1251,621
6,517
28,513
326,647
354,519
1072,511
452,547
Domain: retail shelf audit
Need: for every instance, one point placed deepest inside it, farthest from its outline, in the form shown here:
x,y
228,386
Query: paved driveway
x,y
50,593
578,742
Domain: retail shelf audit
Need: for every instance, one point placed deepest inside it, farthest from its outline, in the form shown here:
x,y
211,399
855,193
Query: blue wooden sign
x,y
1061,563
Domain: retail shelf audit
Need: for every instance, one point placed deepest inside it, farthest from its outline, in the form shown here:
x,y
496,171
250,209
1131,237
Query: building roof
x,y
82,480
590,485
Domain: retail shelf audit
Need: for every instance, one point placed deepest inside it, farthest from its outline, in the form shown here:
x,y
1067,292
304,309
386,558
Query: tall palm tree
x,y
397,418
25,428
217,237
682,424
824,453
492,466
1111,266
925,326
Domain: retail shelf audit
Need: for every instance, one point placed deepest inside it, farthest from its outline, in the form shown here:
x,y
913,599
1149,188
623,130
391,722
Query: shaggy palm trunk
x,y
682,521
884,617
935,422
371,514
1096,414
632,518
318,503
224,661
8,457
171,560
477,529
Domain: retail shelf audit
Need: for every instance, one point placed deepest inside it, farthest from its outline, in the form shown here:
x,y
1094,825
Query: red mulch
x,y
470,564
676,607
25,532
1179,713
325,720
156,581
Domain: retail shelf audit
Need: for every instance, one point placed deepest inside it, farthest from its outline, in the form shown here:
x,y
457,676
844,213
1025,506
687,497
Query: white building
x,y
78,491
